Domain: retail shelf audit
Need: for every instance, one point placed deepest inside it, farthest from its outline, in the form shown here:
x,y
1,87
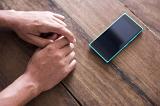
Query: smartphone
x,y
116,37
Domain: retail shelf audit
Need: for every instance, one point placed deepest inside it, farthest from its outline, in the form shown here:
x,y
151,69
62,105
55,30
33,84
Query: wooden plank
x,y
140,61
147,11
91,75
116,92
96,84
14,55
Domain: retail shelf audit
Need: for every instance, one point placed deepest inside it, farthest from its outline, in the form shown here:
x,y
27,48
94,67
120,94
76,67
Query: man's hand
x,y
29,25
46,68
50,65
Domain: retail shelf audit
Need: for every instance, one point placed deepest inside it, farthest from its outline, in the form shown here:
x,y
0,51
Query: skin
x,y
51,62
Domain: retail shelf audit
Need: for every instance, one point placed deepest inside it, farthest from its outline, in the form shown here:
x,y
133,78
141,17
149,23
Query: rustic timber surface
x,y
131,79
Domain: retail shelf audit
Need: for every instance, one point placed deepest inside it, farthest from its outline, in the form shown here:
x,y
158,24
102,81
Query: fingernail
x,y
74,41
72,45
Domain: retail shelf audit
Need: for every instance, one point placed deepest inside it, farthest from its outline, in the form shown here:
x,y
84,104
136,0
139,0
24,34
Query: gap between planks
x,y
117,70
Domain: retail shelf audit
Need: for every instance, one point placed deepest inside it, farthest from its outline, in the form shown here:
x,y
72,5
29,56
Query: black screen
x,y
116,37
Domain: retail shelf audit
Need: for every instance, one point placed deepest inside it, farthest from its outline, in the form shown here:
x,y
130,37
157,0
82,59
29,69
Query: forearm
x,y
19,92
6,18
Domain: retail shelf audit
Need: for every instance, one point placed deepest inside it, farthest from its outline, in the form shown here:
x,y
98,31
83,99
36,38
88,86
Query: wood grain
x,y
140,61
96,84
111,97
114,96
147,11
132,78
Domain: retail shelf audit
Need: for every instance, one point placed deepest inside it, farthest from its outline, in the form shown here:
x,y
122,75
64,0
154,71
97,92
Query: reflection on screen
x,y
116,37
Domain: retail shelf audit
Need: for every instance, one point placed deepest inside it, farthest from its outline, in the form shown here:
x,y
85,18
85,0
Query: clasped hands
x,y
51,62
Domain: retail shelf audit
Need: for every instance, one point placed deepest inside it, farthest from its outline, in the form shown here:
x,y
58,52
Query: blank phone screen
x,y
116,37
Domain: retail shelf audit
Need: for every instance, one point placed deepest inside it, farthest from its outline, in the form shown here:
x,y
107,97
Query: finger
x,y
59,21
70,57
67,49
61,17
72,65
61,42
59,29
38,41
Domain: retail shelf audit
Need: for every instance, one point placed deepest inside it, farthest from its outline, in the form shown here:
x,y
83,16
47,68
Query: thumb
x,y
38,41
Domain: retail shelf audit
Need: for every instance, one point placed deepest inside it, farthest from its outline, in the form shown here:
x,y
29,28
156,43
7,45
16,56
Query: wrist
x,y
24,90
7,18
29,84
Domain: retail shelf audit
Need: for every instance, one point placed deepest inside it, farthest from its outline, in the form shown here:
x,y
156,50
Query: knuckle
x,y
58,55
66,70
36,21
50,48
60,27
48,12
73,54
62,64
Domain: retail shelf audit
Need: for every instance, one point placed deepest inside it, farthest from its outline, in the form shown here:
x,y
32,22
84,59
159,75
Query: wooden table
x,y
131,79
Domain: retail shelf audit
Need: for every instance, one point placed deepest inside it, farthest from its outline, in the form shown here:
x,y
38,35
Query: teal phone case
x,y
107,61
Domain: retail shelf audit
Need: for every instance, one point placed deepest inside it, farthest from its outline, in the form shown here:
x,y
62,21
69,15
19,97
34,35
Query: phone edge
x,y
107,61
